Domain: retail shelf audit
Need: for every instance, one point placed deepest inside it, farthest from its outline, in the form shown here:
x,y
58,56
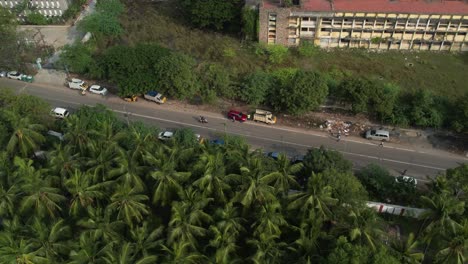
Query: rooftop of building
x,y
380,6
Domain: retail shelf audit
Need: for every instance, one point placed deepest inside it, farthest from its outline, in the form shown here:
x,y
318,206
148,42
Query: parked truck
x,y
155,97
264,116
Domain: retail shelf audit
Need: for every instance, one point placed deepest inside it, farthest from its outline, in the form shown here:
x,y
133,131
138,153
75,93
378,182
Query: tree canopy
x,y
111,192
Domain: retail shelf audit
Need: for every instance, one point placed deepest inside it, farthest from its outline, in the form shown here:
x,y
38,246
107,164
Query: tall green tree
x,y
129,204
215,14
175,76
304,92
26,136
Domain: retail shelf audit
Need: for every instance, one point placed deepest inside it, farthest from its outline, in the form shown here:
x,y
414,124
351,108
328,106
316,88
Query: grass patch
x,y
162,23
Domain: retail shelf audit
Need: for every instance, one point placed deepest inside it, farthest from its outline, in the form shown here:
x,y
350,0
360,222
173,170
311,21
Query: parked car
x,y
77,84
376,134
59,112
3,74
274,155
97,89
297,159
14,75
406,179
237,116
166,135
217,142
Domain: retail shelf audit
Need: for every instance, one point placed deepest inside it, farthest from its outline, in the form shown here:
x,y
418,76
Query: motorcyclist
x,y
203,119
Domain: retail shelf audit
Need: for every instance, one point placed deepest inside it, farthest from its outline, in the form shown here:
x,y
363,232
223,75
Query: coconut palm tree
x,y
91,250
145,238
283,179
182,252
41,197
78,134
363,226
407,250
306,246
50,240
455,241
63,161
101,159
26,137
167,179
186,223
129,204
317,198
213,181
101,226
83,192
268,249
129,170
18,250
442,211
254,189
8,200
270,220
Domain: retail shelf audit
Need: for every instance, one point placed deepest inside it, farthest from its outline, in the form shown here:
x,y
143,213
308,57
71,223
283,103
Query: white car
x,y
97,89
406,179
14,75
59,112
166,135
77,84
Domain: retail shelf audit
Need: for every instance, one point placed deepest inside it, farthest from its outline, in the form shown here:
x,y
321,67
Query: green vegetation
x,y
214,14
110,192
105,21
404,89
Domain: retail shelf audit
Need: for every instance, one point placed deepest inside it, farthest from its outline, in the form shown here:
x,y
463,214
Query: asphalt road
x,y
361,152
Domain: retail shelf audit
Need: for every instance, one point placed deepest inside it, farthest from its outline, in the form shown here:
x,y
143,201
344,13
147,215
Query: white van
x,y
375,134
77,84
59,112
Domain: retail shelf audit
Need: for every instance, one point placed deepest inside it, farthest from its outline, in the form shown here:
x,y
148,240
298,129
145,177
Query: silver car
x,y
3,74
376,134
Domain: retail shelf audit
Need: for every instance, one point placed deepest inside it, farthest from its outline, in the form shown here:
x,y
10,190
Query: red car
x,y
237,116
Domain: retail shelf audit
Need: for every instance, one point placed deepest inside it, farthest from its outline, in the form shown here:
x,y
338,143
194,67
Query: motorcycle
x,y
202,120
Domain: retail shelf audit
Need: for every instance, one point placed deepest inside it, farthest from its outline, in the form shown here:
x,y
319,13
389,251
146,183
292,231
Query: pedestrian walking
x,y
338,138
381,144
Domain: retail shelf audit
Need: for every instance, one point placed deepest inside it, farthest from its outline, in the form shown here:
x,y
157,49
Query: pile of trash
x,y
343,127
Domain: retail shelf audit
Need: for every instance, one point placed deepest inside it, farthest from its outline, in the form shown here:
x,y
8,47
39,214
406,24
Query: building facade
x,y
47,8
436,25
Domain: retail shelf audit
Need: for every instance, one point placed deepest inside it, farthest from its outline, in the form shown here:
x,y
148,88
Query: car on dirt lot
x,y
14,75
237,116
166,135
97,89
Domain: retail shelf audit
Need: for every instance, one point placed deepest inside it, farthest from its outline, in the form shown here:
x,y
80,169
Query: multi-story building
x,y
47,8
439,25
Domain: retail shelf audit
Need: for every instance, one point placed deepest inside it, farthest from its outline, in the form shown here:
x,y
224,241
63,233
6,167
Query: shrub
x,y
307,49
277,53
215,77
77,57
36,19
303,92
175,75
255,87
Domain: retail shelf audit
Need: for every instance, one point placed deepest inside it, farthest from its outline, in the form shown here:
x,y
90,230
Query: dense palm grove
x,y
110,192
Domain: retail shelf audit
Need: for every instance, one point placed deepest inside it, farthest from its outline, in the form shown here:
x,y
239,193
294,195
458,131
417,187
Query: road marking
x,y
269,139
280,141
